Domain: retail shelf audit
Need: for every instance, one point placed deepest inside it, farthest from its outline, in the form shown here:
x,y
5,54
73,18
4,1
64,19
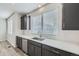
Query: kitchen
x,y
43,29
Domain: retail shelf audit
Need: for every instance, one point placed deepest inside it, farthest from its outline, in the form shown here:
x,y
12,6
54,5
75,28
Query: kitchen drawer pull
x,y
55,51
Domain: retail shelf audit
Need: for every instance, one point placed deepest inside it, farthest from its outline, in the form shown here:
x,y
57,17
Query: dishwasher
x,y
24,45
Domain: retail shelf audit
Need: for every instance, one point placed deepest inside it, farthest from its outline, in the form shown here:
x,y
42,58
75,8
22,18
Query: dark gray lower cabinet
x,y
34,48
51,51
38,49
46,52
30,49
19,42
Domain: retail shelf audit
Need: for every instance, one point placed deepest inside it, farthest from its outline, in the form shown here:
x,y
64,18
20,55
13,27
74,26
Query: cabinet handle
x,y
56,52
63,25
29,22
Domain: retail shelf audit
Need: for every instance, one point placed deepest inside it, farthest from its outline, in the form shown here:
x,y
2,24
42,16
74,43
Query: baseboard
x,y
10,43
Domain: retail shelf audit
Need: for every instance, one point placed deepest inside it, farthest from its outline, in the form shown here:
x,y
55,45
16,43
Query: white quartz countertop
x,y
66,46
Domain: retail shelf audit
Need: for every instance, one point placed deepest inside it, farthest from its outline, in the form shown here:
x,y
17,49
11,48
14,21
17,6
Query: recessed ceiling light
x,y
39,5
13,4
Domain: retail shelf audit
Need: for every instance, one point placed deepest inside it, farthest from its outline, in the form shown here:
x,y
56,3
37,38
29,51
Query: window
x,y
45,24
50,22
36,24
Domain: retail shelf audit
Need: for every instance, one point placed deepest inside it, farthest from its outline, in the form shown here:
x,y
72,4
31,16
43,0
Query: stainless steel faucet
x,y
40,34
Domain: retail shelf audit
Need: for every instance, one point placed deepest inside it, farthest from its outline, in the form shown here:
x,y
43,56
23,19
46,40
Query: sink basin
x,y
36,38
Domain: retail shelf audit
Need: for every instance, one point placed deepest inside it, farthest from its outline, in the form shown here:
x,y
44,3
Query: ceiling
x,y
6,9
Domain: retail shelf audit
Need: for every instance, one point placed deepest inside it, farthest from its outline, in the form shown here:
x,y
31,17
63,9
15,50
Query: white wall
x,y
15,28
66,35
2,29
71,36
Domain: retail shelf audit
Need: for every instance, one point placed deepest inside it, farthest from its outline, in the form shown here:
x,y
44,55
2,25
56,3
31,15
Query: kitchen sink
x,y
36,38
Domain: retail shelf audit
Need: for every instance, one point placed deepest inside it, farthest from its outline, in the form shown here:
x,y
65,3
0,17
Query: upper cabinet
x,y
70,16
29,19
24,22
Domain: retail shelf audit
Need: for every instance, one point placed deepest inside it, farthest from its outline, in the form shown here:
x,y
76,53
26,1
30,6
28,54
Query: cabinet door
x,y
24,45
31,50
29,22
37,51
19,42
34,48
23,22
70,16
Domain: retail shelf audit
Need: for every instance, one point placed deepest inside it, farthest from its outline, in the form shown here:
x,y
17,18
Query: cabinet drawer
x,y
51,49
34,43
46,52
58,51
